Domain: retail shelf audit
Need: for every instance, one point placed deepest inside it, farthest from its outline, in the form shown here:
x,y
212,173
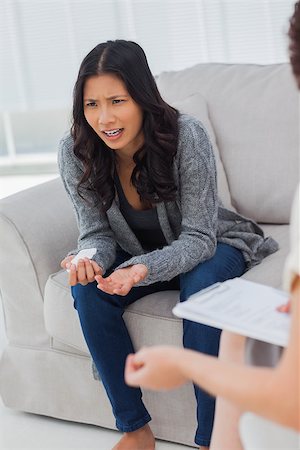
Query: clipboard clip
x,y
218,287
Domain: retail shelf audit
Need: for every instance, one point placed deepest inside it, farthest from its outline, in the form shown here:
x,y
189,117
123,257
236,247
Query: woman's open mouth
x,y
113,134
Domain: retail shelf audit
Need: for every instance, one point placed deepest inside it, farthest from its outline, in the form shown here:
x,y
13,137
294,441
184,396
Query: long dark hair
x,y
153,173
294,47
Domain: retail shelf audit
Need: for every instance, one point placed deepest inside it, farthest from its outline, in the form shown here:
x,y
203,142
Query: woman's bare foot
x,y
141,439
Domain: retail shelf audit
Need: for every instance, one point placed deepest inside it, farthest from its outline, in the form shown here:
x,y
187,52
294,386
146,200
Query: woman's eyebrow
x,y
116,96
112,97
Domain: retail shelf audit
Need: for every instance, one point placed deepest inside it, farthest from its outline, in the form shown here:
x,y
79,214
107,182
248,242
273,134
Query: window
x,y
42,43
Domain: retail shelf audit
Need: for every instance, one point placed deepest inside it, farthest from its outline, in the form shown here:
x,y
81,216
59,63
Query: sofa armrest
x,y
37,229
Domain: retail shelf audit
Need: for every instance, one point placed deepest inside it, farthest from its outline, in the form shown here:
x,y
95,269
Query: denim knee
x,y
228,262
89,294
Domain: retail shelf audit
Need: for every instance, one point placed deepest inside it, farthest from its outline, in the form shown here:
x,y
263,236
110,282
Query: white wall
x,y
42,43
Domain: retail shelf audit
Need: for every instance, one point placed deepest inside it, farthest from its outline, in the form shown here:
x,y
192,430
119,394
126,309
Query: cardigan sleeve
x,y
197,196
93,226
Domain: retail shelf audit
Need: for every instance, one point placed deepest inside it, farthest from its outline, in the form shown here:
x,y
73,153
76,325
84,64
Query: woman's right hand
x,y
158,367
84,273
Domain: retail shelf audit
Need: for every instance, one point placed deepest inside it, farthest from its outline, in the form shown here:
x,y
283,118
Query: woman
x,y
270,393
142,180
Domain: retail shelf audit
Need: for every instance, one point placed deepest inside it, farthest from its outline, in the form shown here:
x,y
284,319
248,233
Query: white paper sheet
x,y
240,306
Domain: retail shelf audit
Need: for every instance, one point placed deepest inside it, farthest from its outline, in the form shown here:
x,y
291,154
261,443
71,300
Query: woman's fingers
x,y
103,284
121,281
119,284
97,269
90,274
133,370
81,273
110,289
129,369
65,261
286,308
73,275
123,290
111,285
137,278
84,273
130,365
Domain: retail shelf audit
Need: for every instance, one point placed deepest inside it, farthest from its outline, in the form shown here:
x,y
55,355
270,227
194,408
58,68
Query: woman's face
x,y
113,114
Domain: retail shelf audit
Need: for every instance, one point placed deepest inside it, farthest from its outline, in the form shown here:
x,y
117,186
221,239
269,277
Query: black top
x,y
144,224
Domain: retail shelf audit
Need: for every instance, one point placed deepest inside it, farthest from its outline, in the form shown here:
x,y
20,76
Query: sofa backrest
x,y
253,110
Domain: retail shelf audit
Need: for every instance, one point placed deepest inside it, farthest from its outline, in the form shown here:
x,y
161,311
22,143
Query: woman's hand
x,y
121,281
155,368
285,308
85,272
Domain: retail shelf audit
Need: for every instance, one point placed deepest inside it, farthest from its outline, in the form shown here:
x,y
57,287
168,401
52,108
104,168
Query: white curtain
x,y
42,43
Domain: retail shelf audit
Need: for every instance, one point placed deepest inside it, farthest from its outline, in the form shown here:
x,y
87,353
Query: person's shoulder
x,y
67,161
185,119
66,143
192,137
190,127
66,148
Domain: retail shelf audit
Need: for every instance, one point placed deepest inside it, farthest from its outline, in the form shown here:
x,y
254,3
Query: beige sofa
x,y
252,116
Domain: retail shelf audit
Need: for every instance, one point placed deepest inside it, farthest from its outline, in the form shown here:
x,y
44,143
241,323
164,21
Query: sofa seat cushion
x,y
153,312
62,321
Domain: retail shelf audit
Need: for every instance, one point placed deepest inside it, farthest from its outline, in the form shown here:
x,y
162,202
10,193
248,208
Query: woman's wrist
x,y
190,364
180,360
142,270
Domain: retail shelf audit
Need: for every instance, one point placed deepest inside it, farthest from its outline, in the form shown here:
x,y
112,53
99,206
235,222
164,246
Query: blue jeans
x,y
109,343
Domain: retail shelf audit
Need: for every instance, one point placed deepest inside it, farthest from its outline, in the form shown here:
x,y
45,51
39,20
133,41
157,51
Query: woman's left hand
x,y
121,281
286,308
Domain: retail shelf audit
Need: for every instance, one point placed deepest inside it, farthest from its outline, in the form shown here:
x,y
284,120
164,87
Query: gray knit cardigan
x,y
192,224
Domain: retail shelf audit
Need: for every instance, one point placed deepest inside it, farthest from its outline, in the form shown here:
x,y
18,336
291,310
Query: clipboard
x,y
240,306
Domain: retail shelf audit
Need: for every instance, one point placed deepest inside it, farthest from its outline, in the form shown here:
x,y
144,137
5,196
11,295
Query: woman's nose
x,y
105,116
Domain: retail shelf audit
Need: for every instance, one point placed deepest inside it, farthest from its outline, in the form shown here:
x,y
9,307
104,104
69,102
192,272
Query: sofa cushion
x,y
62,322
155,310
196,106
254,113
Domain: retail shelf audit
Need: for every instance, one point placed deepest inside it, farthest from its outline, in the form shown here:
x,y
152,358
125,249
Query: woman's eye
x,y
117,101
91,104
